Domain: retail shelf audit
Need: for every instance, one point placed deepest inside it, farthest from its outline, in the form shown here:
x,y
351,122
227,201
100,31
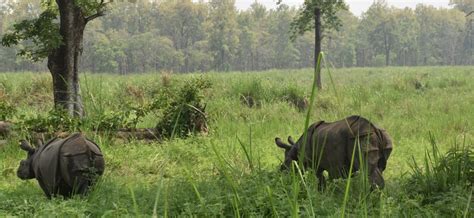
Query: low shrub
x,y
7,111
127,118
53,121
183,109
252,94
295,97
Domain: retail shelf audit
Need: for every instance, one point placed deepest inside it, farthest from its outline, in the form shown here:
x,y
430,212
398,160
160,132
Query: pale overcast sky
x,y
356,6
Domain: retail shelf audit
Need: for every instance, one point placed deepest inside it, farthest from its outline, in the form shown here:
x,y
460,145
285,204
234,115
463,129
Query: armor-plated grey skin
x,y
329,146
63,166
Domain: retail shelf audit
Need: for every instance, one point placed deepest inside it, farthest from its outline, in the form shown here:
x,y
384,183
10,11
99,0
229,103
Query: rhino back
x,y
80,157
331,140
45,165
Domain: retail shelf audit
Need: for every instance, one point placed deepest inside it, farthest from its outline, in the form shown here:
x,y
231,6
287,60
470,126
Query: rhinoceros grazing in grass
x,y
63,166
329,147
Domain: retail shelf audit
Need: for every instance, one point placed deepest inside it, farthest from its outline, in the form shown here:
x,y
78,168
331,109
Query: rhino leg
x,y
79,187
77,173
82,184
64,190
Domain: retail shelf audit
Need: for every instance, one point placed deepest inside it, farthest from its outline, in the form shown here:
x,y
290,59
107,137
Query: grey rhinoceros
x,y
329,147
63,166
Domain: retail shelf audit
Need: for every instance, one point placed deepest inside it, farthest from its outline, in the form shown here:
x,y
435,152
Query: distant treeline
x,y
186,36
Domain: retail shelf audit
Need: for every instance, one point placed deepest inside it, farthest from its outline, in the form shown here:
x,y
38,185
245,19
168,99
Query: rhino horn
x,y
26,146
281,144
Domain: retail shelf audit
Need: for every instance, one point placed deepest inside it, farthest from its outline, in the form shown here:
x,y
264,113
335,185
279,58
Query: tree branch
x,y
99,13
94,16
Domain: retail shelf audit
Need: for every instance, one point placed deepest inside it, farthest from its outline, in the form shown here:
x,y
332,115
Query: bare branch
x,y
94,16
100,11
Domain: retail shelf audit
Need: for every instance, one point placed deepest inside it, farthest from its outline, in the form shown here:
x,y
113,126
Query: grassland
x,y
211,175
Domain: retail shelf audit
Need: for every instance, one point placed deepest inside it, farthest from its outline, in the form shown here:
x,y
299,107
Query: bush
x,y
441,173
183,109
252,94
295,97
55,120
127,118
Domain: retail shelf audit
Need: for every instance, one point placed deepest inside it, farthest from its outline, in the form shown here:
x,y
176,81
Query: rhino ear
x,y
39,142
26,146
387,140
387,149
362,127
281,144
290,140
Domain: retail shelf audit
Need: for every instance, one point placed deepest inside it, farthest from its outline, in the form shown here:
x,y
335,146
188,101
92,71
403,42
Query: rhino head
x,y
291,152
25,170
375,174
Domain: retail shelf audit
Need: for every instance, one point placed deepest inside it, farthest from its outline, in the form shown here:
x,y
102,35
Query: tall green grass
x,y
438,173
233,170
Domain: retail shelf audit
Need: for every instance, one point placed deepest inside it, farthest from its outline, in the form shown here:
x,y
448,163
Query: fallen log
x,y
5,128
146,133
135,134
128,134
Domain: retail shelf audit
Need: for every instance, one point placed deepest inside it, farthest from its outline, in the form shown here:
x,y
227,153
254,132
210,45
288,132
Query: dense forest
x,y
187,36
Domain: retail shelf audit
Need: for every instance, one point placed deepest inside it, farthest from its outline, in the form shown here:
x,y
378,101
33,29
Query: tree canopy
x,y
41,35
466,6
121,41
304,20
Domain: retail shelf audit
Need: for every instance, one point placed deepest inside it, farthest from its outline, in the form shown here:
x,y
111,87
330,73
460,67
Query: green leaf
x,y
39,36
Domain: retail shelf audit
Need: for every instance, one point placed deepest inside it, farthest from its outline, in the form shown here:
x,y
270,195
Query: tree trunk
x,y
471,44
1,25
387,50
63,62
317,46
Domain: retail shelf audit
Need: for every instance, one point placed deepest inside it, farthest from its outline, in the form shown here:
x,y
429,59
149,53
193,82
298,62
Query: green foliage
x,y
186,36
43,33
105,52
285,52
383,37
91,7
235,169
126,118
154,53
295,97
465,6
6,111
253,94
54,121
304,21
41,36
223,38
257,92
184,110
